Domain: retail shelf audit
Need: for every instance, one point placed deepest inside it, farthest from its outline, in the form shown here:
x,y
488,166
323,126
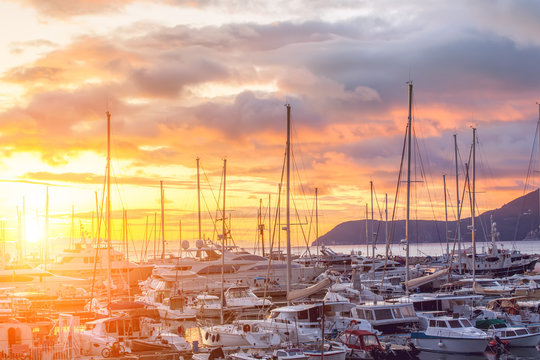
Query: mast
x,y
372,220
199,198
223,241
407,228
317,219
162,220
288,211
446,220
386,217
538,103
367,232
458,227
261,226
473,202
109,232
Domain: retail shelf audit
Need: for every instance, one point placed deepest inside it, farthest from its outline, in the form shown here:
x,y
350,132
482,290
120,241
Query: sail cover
x,y
414,283
313,289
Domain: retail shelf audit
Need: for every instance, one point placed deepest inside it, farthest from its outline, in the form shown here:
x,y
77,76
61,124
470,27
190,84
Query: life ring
x,y
353,323
206,336
512,311
246,328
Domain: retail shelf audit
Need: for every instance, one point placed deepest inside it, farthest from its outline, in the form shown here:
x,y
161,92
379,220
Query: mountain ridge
x,y
515,220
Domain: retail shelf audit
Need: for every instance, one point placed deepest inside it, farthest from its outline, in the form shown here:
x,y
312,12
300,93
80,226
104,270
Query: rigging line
x,y
98,238
298,147
395,206
527,179
460,208
423,175
306,240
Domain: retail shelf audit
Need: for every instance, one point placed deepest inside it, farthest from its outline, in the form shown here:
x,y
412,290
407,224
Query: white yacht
x,y
240,267
239,334
89,262
298,324
23,277
241,299
387,317
451,335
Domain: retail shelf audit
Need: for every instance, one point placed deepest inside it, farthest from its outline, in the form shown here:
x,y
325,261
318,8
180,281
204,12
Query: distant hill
x,y
514,220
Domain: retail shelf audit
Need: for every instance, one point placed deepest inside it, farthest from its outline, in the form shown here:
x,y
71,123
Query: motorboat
x,y
496,262
161,342
277,354
451,335
327,350
92,262
387,317
514,336
299,324
239,334
239,267
364,344
24,278
241,299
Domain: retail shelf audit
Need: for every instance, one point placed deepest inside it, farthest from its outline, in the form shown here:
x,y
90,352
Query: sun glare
x,y
33,233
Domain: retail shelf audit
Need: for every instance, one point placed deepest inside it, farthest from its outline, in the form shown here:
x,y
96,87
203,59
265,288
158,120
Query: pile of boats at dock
x,y
340,306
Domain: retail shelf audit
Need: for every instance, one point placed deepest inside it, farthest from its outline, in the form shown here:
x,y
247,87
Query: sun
x,y
33,233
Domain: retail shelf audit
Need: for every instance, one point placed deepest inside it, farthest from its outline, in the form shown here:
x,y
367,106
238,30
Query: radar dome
x,y
185,244
199,244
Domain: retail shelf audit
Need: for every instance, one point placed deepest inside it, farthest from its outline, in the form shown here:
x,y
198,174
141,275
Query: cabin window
x,y
111,327
454,324
441,324
432,323
397,313
383,314
465,323
510,333
302,315
521,332
353,340
281,353
369,315
360,313
343,338
408,311
370,340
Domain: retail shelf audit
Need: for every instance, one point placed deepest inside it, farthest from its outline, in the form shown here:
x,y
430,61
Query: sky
x,y
209,79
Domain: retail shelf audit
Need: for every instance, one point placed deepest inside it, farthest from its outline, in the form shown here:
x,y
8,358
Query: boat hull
x,y
449,344
327,355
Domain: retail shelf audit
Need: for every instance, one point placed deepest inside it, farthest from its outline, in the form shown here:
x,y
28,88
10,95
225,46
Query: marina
x,y
284,180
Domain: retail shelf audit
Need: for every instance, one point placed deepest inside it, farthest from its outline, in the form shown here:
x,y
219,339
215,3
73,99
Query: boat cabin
x,y
359,340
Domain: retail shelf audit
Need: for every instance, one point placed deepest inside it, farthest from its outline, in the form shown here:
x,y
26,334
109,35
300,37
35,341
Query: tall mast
x,y
261,226
223,238
458,226
367,231
538,103
109,232
46,249
162,220
372,220
199,199
407,228
288,211
386,218
446,220
317,218
473,202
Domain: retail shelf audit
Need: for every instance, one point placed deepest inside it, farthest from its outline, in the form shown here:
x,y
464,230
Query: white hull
x,y
328,355
524,341
451,345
